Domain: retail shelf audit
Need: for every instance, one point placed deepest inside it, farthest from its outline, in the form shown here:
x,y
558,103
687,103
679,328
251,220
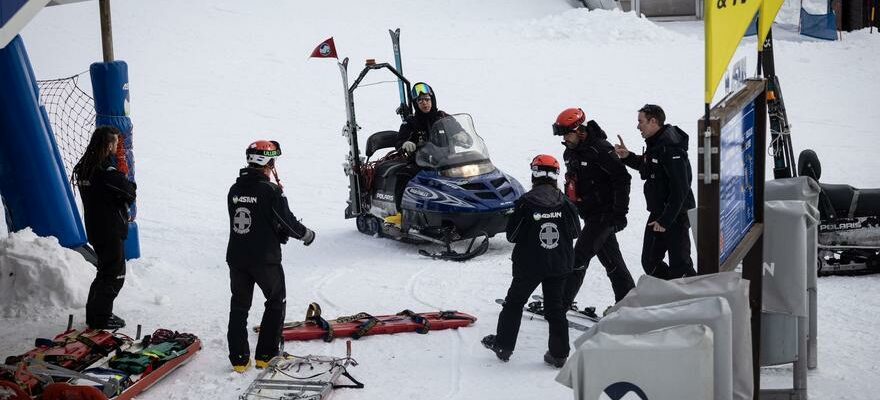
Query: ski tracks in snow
x,y
455,365
411,288
318,290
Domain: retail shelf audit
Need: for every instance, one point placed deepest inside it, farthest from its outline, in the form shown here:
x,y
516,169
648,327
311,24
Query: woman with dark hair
x,y
106,195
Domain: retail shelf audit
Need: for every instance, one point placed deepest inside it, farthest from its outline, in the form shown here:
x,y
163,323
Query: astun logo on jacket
x,y
244,199
539,216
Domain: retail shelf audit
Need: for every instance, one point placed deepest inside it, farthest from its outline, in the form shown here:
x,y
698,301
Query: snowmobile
x,y
457,200
849,230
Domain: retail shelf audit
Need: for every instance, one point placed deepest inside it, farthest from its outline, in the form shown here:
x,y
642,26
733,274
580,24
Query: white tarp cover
x,y
786,266
714,312
668,363
732,287
800,188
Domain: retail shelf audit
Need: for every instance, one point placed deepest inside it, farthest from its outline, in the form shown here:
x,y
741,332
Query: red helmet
x,y
262,152
568,120
545,166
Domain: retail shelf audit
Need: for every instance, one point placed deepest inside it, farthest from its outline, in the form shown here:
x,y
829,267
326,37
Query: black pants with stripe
x,y
270,279
598,239
511,315
108,281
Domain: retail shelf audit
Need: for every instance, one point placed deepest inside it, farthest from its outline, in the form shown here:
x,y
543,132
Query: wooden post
x,y
106,30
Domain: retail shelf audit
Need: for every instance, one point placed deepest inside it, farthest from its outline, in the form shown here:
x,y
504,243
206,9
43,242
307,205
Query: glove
x,y
618,222
408,146
308,238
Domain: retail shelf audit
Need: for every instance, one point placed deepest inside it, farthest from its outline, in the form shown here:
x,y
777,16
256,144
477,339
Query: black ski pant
x,y
403,176
511,315
108,281
270,279
675,241
598,239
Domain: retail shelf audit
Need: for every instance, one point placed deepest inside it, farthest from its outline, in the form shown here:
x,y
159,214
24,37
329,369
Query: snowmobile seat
x,y
849,202
381,140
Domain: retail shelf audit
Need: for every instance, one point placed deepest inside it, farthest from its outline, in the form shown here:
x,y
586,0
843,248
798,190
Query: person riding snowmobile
x,y
413,133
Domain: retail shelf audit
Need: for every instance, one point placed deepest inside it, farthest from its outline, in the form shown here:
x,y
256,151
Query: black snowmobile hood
x,y
669,136
544,195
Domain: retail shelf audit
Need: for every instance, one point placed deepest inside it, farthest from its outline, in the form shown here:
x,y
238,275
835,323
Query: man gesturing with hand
x,y
665,168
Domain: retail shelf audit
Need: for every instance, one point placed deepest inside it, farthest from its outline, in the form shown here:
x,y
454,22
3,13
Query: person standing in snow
x,y
259,222
598,184
543,227
667,174
413,132
106,196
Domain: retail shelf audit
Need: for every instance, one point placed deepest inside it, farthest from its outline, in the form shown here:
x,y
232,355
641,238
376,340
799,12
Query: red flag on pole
x,y
325,50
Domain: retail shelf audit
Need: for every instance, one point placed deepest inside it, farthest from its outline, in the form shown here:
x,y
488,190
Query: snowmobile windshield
x,y
454,148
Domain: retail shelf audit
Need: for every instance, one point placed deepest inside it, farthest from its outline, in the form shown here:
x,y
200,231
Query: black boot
x,y
502,354
557,362
112,323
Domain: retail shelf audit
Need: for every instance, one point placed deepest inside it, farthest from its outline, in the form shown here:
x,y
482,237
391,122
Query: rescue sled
x,y
97,364
363,324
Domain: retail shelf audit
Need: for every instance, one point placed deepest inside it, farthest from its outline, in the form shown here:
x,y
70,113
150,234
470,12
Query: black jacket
x,y
601,181
543,226
415,128
259,220
106,196
666,170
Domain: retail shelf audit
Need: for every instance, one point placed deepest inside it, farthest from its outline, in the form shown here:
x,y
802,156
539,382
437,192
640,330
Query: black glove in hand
x,y
308,238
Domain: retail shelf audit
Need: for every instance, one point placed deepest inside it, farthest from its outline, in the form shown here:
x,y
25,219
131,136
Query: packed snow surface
x,y
209,77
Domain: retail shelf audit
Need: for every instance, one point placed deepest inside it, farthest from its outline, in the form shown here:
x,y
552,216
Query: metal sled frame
x,y
278,382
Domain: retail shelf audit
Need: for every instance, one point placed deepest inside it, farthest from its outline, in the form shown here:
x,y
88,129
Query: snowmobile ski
x,y
451,255
537,310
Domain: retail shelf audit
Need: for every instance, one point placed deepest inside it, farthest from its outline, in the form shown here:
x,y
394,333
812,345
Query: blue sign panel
x,y
737,176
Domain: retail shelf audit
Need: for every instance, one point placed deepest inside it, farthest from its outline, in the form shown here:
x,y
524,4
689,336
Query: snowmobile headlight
x,y
469,170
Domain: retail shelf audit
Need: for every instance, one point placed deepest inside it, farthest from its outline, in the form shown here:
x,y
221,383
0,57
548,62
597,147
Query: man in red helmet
x,y
543,227
598,183
259,222
667,174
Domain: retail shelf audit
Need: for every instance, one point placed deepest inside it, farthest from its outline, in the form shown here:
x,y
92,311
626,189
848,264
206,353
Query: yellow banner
x,y
726,23
769,9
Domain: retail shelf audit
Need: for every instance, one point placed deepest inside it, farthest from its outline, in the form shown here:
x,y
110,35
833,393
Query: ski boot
x,y
111,324
557,362
242,368
502,354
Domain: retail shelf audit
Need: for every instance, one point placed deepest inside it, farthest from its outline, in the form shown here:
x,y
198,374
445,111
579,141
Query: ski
x,y
588,313
537,310
780,129
404,109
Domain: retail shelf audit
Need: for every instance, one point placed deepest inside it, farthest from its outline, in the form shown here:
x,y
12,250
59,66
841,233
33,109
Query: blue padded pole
x,y
33,182
110,88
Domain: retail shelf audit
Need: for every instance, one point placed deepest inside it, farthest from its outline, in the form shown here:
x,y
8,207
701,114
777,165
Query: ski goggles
x,y
559,130
421,89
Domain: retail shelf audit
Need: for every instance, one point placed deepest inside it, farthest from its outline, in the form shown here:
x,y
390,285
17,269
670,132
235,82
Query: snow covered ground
x,y
209,77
